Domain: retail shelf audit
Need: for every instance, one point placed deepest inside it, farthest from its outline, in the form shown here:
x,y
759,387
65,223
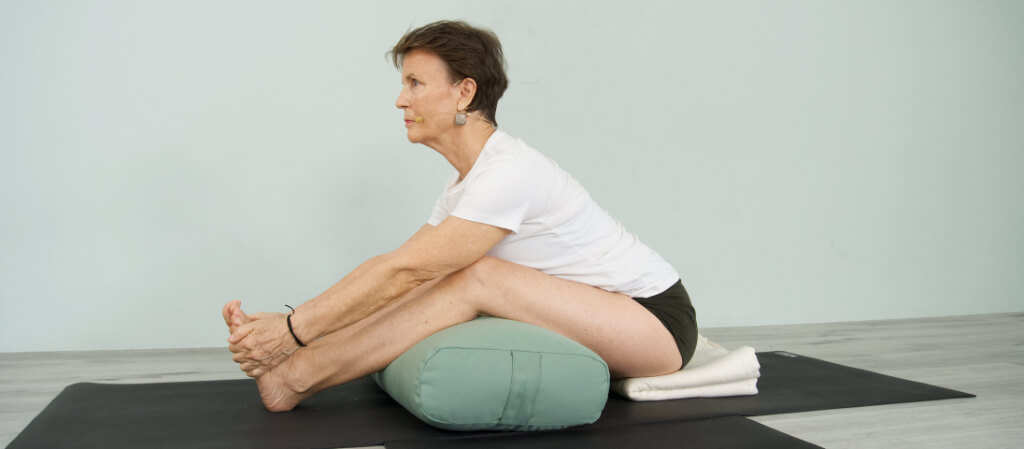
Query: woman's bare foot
x,y
278,392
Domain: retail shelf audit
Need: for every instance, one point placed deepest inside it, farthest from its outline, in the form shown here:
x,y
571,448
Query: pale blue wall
x,y
797,161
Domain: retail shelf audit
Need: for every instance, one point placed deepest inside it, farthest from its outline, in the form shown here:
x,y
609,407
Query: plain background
x,y
797,161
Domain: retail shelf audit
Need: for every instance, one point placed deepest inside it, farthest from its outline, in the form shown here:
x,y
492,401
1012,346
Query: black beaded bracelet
x,y
289,320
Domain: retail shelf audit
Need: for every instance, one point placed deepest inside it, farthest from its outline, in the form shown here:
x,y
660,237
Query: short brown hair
x,y
469,52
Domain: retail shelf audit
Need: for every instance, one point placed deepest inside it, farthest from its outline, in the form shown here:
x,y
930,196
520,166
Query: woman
x,y
512,236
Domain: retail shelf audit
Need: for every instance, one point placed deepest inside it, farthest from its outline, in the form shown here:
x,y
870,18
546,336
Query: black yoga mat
x,y
727,432
228,413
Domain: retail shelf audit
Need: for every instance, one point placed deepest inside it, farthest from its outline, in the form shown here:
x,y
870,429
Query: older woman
x,y
512,236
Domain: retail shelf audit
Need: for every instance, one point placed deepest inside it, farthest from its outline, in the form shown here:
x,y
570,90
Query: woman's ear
x,y
467,90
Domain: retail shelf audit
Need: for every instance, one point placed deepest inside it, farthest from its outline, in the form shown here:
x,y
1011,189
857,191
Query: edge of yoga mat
x,y
789,383
727,432
229,413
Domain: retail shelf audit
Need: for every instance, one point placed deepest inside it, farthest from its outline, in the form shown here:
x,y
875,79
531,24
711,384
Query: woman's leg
x,y
628,337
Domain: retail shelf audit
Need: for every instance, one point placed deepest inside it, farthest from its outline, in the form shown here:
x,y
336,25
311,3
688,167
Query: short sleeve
x,y
439,213
501,196
442,207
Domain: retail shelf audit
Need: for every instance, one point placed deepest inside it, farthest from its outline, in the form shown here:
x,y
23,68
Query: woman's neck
x,y
463,145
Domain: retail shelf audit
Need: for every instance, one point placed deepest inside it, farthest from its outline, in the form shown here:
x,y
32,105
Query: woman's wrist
x,y
299,327
291,328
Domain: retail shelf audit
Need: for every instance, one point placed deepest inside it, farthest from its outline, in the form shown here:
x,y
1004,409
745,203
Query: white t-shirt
x,y
556,227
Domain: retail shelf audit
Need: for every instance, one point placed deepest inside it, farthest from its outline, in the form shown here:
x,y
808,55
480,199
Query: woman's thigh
x,y
626,335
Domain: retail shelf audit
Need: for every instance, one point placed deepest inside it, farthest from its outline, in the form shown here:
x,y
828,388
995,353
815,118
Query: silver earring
x,y
460,118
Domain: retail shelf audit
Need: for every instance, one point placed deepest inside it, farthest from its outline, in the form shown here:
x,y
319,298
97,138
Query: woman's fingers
x,y
244,355
240,333
252,372
262,315
253,369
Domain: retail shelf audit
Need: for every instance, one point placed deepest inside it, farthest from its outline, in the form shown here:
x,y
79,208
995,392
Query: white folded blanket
x,y
712,372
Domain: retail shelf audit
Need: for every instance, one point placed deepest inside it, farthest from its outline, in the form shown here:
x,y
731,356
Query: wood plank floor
x,y
979,354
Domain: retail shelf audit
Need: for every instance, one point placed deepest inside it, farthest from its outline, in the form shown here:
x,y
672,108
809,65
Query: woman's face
x,y
428,97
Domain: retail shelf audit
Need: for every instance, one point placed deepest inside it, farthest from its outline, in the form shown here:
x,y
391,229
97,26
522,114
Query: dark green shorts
x,y
675,311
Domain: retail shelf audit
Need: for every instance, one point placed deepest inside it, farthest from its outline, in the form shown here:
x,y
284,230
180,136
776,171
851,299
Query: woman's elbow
x,y
409,272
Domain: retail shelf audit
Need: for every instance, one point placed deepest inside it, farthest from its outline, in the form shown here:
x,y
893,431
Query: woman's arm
x,y
432,252
364,270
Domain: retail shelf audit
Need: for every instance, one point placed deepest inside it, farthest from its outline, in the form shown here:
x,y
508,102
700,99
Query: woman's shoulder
x,y
509,158
505,147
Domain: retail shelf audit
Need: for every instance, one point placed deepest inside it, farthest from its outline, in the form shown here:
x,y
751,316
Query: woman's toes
x,y
237,317
226,312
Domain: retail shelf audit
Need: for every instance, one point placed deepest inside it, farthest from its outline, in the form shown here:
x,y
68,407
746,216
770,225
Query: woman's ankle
x,y
299,377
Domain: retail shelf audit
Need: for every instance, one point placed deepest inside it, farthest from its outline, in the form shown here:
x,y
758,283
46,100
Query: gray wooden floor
x,y
979,354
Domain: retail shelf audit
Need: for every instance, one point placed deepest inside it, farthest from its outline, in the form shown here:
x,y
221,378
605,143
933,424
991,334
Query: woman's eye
x,y
415,82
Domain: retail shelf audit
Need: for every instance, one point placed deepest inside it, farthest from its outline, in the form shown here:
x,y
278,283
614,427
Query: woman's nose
x,y
402,101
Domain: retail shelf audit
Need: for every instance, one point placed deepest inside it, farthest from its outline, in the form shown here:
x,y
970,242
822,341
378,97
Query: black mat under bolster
x,y
726,432
229,413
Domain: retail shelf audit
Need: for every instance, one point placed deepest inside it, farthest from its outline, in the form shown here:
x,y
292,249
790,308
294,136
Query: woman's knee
x,y
474,283
480,273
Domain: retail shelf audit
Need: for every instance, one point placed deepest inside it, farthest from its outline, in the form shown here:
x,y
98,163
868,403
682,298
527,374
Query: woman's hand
x,y
262,343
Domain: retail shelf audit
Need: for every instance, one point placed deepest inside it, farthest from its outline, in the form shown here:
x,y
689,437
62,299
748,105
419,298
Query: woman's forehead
x,y
423,64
